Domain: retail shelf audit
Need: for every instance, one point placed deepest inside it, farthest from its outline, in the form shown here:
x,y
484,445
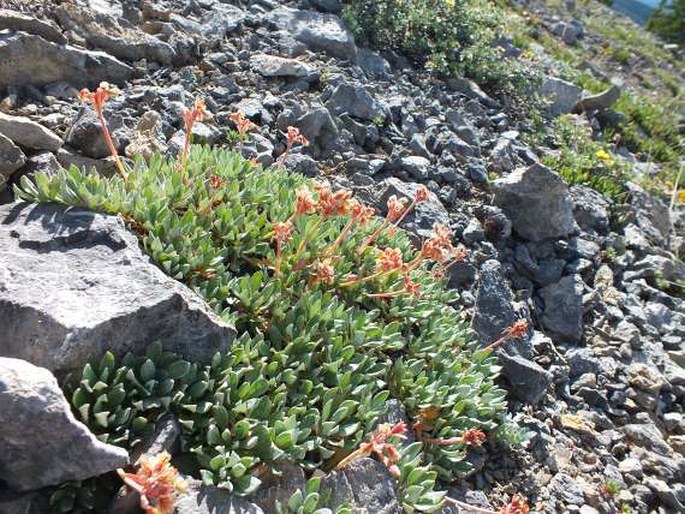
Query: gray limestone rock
x,y
537,201
42,443
563,311
561,96
274,66
355,101
365,484
74,283
320,32
11,158
27,59
28,133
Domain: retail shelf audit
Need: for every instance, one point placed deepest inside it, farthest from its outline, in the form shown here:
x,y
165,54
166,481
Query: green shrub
x,y
316,362
451,37
668,21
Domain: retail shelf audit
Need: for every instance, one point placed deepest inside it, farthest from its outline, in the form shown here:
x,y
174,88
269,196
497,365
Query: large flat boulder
x,y
42,444
74,283
28,59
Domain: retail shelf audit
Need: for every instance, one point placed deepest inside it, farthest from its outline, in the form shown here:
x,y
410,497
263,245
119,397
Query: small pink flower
x,y
283,231
396,206
294,137
389,259
242,124
324,273
421,194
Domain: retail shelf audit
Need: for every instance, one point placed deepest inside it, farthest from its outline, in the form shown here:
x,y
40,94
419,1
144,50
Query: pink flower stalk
x,y
379,446
282,234
157,482
242,124
97,99
293,137
516,330
190,117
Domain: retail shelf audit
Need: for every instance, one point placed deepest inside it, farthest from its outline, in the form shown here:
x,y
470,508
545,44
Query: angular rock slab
x,y
202,499
42,443
563,312
28,133
26,59
561,96
537,201
74,283
365,484
320,32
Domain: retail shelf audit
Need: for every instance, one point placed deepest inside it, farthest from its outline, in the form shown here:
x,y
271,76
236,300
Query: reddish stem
x,y
110,144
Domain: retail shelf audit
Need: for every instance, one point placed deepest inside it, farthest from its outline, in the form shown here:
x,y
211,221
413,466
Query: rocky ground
x,y
599,386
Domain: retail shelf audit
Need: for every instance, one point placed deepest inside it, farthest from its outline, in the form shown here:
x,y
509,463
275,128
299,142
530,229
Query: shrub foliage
x,y
451,37
318,356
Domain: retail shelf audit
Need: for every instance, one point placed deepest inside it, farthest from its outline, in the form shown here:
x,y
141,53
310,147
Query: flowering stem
x,y
354,455
277,264
339,239
391,294
366,279
110,145
373,236
404,214
184,155
284,155
495,344
306,238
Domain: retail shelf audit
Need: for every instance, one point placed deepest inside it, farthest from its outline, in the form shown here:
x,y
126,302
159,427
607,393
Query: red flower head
x,y
361,213
99,97
242,124
411,287
324,272
421,194
330,204
396,206
517,505
293,135
157,482
432,249
443,235
304,204
283,231
199,112
389,259
215,182
473,437
517,329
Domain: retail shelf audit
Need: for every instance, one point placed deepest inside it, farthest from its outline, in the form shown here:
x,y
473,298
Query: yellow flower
x,y
681,196
601,154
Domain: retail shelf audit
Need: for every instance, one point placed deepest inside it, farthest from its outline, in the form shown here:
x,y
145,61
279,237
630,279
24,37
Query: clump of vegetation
x,y
453,37
668,21
581,160
652,128
336,311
